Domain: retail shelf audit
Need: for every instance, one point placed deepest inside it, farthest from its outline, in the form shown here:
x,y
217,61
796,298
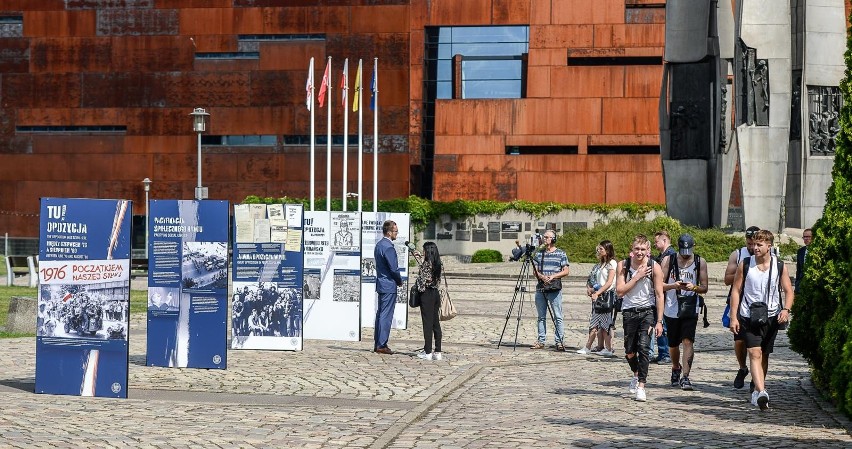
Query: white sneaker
x,y
605,353
754,398
584,351
763,400
424,355
436,356
640,395
634,385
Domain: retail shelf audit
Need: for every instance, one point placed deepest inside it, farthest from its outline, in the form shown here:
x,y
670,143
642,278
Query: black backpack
x,y
672,267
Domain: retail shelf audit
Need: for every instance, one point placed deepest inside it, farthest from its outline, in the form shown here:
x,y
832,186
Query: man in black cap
x,y
686,278
733,262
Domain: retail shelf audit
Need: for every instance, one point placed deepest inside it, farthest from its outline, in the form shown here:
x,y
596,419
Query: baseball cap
x,y
749,233
685,243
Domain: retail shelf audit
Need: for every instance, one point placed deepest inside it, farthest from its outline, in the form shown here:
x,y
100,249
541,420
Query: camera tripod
x,y
521,290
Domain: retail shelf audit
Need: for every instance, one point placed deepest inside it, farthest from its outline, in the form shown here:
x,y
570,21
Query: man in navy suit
x,y
807,235
387,280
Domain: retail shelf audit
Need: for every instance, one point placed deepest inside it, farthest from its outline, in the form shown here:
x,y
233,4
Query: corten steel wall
x,y
131,63
579,106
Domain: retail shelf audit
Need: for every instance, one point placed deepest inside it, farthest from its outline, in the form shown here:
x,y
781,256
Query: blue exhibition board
x,y
83,297
188,284
268,277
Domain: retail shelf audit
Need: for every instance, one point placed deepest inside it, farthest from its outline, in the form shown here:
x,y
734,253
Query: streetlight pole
x,y
199,125
147,183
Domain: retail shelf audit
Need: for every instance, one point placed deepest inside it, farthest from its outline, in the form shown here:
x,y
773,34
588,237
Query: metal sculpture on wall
x,y
723,112
755,81
684,123
824,104
796,109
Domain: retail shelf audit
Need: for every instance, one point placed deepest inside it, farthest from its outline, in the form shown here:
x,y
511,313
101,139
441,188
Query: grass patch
x,y
3,267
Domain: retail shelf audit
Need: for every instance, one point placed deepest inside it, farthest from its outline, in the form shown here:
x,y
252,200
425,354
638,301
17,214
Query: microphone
x,y
410,246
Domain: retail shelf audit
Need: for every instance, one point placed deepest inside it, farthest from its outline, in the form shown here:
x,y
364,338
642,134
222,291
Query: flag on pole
x,y
357,89
344,83
325,82
373,89
309,87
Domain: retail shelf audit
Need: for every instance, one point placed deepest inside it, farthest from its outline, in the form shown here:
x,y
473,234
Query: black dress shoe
x,y
384,350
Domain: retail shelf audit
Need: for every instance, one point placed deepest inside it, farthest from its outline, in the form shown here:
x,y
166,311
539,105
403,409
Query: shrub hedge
x,y
486,256
822,312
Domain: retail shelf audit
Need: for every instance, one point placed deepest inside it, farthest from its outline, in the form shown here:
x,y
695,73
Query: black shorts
x,y
759,336
680,329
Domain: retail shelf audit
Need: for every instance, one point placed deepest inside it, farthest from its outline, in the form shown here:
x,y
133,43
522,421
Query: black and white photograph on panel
x,y
368,269
402,294
164,298
265,309
313,284
97,310
205,265
347,285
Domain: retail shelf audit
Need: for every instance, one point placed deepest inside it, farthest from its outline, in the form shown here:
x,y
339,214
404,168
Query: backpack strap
x,y
672,267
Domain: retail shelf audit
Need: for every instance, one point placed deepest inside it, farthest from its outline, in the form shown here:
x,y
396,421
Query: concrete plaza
x,y
340,394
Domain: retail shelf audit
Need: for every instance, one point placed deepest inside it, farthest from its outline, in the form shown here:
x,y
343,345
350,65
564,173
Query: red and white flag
x,y
324,86
309,87
66,297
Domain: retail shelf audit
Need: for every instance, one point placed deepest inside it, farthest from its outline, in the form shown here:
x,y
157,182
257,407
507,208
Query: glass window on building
x,y
488,60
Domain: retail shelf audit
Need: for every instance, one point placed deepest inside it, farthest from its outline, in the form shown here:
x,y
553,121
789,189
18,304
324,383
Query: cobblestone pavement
x,y
339,394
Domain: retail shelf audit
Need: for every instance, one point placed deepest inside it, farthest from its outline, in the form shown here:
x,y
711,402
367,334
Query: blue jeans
x,y
662,346
542,299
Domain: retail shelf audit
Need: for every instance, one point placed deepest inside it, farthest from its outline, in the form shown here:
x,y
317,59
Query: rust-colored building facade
x,y
95,95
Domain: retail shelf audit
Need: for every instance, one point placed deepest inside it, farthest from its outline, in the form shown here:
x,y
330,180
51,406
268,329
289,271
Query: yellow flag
x,y
357,88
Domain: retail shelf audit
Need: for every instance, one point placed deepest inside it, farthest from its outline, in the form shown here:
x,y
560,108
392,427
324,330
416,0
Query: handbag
x,y
605,302
726,316
414,297
447,310
759,314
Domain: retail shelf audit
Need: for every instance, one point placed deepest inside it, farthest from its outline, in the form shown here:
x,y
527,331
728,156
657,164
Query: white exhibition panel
x,y
332,276
371,233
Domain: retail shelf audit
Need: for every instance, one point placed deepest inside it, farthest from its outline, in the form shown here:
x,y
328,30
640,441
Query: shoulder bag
x,y
414,297
447,310
553,286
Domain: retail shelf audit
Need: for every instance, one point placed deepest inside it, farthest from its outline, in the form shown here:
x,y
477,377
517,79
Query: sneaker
x,y
640,395
537,345
763,400
424,355
560,347
605,353
685,384
584,351
665,360
437,356
754,398
739,381
634,384
675,377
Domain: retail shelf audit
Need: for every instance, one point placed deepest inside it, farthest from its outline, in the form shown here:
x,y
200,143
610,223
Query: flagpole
x,y
345,86
375,134
311,108
328,146
360,138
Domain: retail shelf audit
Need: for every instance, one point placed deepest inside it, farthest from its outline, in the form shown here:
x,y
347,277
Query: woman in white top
x,y
601,282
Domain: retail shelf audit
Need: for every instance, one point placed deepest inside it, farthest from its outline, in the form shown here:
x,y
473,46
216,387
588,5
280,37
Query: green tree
x,y
822,312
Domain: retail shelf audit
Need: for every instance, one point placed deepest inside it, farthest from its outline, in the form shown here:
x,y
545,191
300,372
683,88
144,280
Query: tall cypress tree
x,y
822,313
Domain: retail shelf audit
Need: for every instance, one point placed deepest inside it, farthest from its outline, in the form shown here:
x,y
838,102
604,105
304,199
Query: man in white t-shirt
x,y
757,309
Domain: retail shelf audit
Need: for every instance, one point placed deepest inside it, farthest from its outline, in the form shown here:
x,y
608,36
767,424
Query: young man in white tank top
x,y
641,309
686,281
760,287
733,261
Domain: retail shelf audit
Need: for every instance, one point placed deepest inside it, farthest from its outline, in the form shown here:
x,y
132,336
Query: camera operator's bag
x,y
553,286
